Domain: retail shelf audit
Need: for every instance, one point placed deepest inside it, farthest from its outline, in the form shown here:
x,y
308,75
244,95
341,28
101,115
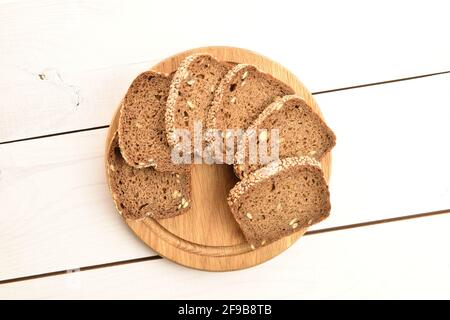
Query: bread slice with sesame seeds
x,y
145,192
142,137
301,132
190,96
242,95
280,199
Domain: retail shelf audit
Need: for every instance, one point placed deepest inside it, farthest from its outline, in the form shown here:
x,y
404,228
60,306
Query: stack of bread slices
x,y
272,199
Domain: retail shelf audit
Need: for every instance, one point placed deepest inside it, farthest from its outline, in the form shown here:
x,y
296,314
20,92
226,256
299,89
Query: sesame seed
x,y
263,135
176,194
190,104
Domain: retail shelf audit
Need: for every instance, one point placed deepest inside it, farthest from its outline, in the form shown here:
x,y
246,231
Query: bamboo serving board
x,y
207,236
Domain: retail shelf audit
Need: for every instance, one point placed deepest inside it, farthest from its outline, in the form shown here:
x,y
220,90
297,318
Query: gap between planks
x,y
313,93
157,257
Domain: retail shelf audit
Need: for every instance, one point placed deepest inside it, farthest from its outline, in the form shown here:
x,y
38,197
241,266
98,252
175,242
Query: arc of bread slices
x,y
302,132
279,199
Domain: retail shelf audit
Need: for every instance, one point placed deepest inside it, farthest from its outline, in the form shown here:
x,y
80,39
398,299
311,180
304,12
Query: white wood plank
x,y
325,43
391,156
396,260
57,213
61,102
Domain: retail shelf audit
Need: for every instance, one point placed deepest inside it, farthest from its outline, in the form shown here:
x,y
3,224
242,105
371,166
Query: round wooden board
x,y
207,237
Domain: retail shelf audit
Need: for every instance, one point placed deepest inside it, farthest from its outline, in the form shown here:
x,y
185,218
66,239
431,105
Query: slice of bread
x,y
242,95
301,132
279,199
145,192
191,93
142,135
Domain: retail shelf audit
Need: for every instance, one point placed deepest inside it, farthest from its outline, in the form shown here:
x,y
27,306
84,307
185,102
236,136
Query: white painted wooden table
x,y
65,65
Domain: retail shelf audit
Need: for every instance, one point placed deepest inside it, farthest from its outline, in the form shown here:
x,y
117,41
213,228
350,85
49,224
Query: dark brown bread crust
x,y
141,131
145,192
280,199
